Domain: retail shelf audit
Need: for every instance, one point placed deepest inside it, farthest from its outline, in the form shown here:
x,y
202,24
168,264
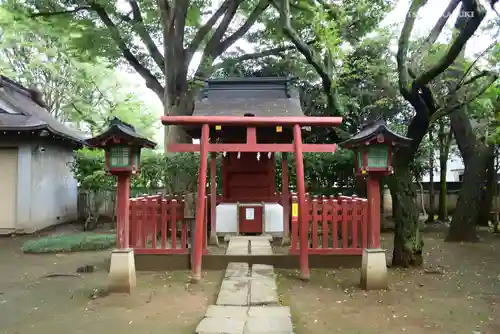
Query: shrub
x,y
85,241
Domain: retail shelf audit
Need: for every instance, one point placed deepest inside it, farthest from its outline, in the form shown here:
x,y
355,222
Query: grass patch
x,y
85,241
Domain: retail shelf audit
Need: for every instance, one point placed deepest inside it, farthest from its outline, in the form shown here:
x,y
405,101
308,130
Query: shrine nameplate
x,y
295,210
249,214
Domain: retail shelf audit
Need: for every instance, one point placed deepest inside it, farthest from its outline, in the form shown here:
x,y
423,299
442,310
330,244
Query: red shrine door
x,y
249,181
246,179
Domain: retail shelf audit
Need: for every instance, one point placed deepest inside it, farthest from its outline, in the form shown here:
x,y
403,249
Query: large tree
x,y
158,39
415,82
415,75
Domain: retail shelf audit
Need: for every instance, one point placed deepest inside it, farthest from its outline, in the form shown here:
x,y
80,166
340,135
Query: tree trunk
x,y
408,243
394,202
477,159
443,189
465,217
432,192
444,149
178,101
487,200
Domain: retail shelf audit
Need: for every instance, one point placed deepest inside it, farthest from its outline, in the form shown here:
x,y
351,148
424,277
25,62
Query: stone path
x,y
259,245
248,300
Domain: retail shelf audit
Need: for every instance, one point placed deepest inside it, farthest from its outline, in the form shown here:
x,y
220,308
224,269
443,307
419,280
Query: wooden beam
x,y
245,147
251,136
285,197
253,121
200,206
303,220
213,198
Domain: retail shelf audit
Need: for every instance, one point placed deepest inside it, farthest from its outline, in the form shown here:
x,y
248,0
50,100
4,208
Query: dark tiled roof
x,y
117,127
270,96
20,111
372,130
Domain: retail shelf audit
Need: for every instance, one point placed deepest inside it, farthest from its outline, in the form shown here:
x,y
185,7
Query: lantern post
x,y
373,150
122,146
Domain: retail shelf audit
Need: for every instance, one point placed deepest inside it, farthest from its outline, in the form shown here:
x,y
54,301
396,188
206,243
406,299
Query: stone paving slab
x,y
263,291
237,251
269,311
262,270
234,312
260,247
239,288
220,326
250,237
233,292
261,251
268,325
237,269
237,247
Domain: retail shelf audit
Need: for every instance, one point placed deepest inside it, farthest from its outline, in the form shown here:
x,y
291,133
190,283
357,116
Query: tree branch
x,y
435,32
446,111
403,45
216,46
475,77
138,23
252,18
461,81
62,12
307,52
180,10
260,54
205,29
214,41
151,81
471,25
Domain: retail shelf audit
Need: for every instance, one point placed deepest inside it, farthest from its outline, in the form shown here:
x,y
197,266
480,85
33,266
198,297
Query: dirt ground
x,y
457,292
31,303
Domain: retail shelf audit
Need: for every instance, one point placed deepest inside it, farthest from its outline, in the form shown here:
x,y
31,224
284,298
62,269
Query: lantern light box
x,y
373,147
122,145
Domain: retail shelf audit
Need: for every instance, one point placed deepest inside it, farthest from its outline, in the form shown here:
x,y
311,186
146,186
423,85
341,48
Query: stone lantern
x,y
374,148
122,145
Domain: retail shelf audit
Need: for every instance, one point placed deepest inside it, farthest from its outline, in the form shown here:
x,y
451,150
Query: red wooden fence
x,y
337,225
157,225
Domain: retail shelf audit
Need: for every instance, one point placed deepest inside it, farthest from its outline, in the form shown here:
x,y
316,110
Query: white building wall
x,y
47,190
454,168
226,216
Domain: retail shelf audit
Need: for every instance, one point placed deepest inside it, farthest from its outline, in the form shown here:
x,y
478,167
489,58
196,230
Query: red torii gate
x,y
251,145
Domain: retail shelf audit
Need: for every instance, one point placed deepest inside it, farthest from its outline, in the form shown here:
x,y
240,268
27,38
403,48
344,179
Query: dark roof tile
x,y
19,111
239,96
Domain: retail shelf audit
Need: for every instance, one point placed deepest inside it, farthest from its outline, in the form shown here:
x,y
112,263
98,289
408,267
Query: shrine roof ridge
x,y
237,96
118,127
252,121
252,80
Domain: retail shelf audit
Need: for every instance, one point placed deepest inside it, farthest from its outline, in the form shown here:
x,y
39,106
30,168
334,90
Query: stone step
x,y
258,245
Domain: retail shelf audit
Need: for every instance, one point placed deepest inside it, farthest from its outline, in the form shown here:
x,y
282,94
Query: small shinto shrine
x,y
248,120
245,122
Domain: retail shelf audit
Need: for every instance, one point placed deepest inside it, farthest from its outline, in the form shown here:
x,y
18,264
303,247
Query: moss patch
x,y
85,241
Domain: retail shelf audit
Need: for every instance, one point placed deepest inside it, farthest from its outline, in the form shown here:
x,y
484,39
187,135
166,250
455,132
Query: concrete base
x,y
285,241
121,277
213,240
229,237
374,270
